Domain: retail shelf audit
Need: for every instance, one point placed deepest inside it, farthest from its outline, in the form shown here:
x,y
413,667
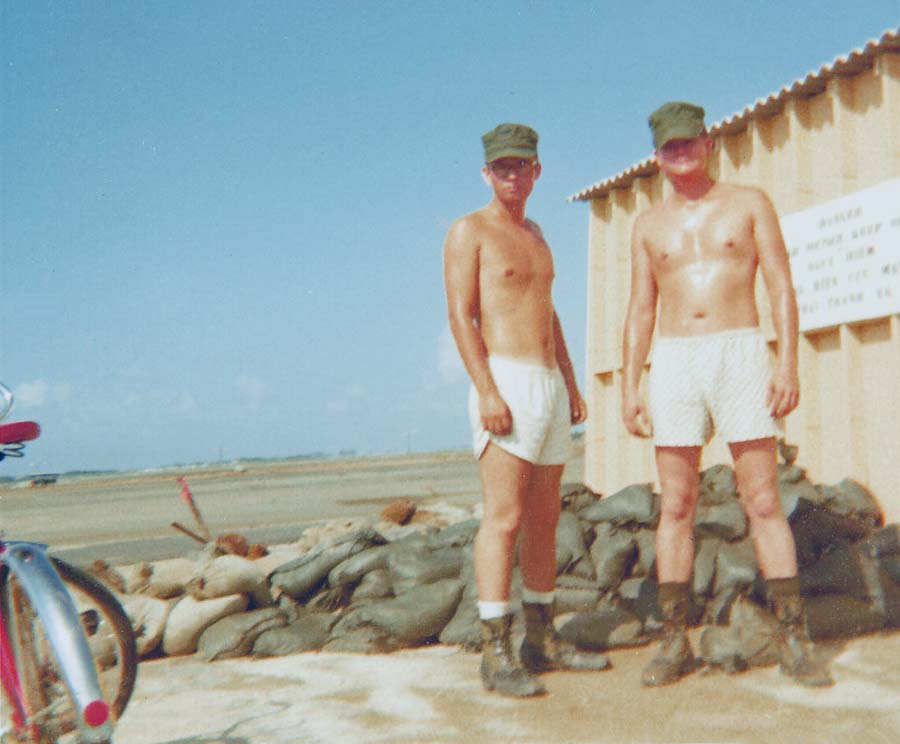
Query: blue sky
x,y
222,222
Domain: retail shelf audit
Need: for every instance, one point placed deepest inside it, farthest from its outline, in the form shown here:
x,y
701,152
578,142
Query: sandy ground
x,y
425,695
434,695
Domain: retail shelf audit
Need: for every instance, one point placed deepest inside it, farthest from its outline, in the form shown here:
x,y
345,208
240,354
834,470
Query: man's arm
x,y
577,406
784,388
639,322
461,272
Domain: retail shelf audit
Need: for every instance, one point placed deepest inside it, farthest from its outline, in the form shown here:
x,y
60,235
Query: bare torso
x,y
704,257
515,279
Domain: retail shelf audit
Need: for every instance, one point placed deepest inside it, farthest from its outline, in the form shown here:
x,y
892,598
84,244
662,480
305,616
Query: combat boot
x,y
500,670
795,649
675,657
543,650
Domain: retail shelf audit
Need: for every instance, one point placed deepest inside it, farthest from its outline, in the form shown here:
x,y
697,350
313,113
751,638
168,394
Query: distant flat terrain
x,y
126,517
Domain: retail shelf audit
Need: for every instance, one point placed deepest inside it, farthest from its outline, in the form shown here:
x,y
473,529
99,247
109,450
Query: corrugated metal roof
x,y
815,82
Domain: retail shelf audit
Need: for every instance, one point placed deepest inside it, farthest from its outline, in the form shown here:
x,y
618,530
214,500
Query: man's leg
x,y
504,483
542,649
756,472
679,478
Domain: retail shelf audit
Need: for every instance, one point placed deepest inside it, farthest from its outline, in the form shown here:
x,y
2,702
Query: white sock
x,y
533,597
492,610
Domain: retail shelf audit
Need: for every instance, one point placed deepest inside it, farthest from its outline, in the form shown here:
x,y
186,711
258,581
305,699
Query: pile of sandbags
x,y
375,587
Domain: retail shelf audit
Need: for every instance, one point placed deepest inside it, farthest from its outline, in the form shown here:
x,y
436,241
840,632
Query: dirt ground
x,y
434,695
426,695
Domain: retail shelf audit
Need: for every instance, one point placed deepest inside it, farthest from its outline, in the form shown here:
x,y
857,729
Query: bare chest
x,y
712,234
516,264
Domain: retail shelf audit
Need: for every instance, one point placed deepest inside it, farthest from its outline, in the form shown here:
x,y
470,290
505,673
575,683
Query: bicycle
x,y
68,660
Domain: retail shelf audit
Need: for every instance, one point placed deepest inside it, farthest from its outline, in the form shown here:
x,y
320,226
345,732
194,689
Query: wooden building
x,y
827,150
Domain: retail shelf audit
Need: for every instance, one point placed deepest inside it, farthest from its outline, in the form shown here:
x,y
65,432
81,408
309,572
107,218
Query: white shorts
x,y
699,384
539,403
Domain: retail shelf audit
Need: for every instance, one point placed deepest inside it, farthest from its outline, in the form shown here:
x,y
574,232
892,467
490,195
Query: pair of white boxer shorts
x,y
713,383
539,403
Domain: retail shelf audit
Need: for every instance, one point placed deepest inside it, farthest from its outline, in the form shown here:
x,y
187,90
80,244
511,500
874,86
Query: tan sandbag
x,y
148,617
135,577
225,575
170,577
190,617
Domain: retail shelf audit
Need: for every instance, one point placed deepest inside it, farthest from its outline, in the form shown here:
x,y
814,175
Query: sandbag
x,y
706,552
571,552
646,555
303,576
750,639
839,616
411,618
818,530
790,492
234,636
635,505
226,575
366,639
190,617
848,570
577,496
308,633
725,521
576,594
374,585
464,628
612,554
890,564
854,500
610,626
148,616
884,542
457,535
350,571
412,568
735,566
717,486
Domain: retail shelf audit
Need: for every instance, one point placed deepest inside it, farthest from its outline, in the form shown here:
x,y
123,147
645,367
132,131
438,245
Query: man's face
x,y
512,177
684,156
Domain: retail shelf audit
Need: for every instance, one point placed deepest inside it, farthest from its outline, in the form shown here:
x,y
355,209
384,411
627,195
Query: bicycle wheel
x,y
110,639
109,634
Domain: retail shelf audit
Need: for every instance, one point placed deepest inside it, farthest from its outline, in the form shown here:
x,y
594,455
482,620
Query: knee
x,y
760,500
503,526
679,502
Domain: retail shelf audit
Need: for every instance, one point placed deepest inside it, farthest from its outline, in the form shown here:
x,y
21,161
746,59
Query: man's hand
x,y
635,416
496,417
784,393
577,408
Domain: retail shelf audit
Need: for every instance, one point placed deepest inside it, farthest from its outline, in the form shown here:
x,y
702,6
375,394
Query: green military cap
x,y
676,120
509,141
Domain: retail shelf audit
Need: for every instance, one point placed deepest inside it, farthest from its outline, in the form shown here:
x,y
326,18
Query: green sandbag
x,y
853,500
412,568
610,626
302,576
706,551
725,521
308,633
717,486
636,505
412,618
840,616
848,570
818,530
571,552
735,566
234,636
612,553
354,568
884,542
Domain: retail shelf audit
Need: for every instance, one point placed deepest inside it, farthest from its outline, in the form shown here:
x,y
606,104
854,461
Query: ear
x,y
486,175
537,170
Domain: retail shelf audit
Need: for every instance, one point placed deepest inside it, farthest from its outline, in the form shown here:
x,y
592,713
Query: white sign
x,y
845,257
